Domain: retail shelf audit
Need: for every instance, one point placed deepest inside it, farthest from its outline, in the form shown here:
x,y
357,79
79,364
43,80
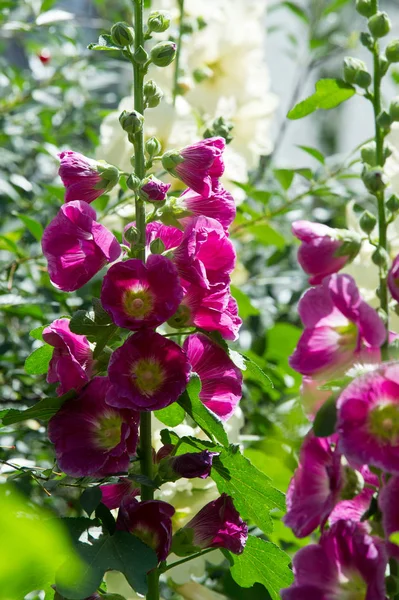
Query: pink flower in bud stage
x,y
76,246
112,494
205,256
218,525
315,487
85,179
147,372
192,464
339,325
140,295
92,438
220,205
197,164
393,279
154,190
347,563
221,380
388,503
368,419
320,243
72,361
151,521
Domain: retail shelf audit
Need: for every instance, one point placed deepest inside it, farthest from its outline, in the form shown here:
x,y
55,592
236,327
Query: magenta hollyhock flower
x,y
91,438
72,360
205,256
197,164
171,236
221,380
320,243
218,525
147,372
388,503
368,419
153,189
338,326
220,205
85,179
353,509
151,521
112,494
393,279
140,295
195,464
76,246
347,563
315,487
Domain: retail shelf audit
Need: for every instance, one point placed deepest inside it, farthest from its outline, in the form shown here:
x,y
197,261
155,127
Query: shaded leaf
x,y
245,307
319,156
326,418
43,410
90,499
284,177
33,226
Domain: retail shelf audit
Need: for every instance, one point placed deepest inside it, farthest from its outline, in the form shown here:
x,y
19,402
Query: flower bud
x,y
158,21
190,465
368,154
220,128
392,51
367,222
171,159
152,94
131,235
384,120
157,246
380,257
379,25
392,204
153,190
133,182
373,179
132,122
153,147
122,34
181,318
364,8
366,40
355,72
394,109
163,53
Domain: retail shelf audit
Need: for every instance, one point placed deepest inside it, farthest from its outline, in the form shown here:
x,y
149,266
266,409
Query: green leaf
x,y
171,416
90,499
245,307
284,177
326,418
394,538
37,333
262,562
334,6
104,43
266,235
42,410
251,490
37,363
122,552
296,10
205,419
96,325
329,94
33,226
256,373
319,156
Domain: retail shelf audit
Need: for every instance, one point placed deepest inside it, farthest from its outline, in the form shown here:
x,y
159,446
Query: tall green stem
x,y
140,170
382,220
178,51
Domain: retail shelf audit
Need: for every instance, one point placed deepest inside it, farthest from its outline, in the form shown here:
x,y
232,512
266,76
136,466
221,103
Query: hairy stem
x,y
139,167
382,220
178,51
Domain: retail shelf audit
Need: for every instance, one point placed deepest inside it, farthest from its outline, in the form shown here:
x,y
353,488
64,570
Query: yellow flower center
x,y
108,430
384,423
138,302
148,375
348,336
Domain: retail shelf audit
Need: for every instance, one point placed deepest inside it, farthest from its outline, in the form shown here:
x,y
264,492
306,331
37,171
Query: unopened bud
x,y
392,204
153,147
220,128
369,154
131,235
132,122
157,246
364,8
379,25
163,53
158,21
392,51
367,222
373,179
366,40
355,72
380,257
133,182
122,34
384,120
181,318
171,159
394,109
152,94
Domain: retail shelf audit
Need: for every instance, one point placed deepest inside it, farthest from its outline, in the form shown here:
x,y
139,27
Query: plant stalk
x,y
178,51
